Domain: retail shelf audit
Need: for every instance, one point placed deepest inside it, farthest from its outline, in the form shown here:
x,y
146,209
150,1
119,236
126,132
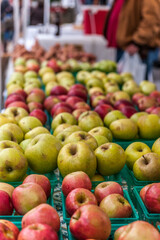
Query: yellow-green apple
x,y
98,74
62,136
137,115
89,221
30,81
42,153
44,70
79,197
147,87
103,109
119,95
11,226
30,74
125,129
126,75
73,100
39,114
113,116
62,74
19,104
63,118
116,206
146,102
59,90
28,123
82,76
41,180
143,191
16,113
13,88
35,132
149,126
81,155
6,206
16,82
95,90
4,119
97,177
7,188
25,143
12,98
36,95
94,82
61,106
45,214
134,151
84,137
9,144
115,77
104,189
111,87
27,196
74,180
102,131
7,135
155,146
89,120
49,87
16,75
96,99
50,102
139,230
101,139
6,233
131,87
107,155
60,128
76,113
20,68
15,130
20,61
35,105
151,199
147,167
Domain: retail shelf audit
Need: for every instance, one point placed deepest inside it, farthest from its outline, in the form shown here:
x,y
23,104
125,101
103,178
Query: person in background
x,y
134,26
37,14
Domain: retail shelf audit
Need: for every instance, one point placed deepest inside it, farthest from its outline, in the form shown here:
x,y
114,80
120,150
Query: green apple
x,y
89,120
110,159
101,139
126,76
149,126
42,153
134,151
16,75
77,157
98,74
9,144
67,83
82,136
30,74
103,131
156,146
44,63
62,136
94,90
74,65
49,87
63,118
125,129
137,115
7,135
147,87
20,61
28,123
82,76
118,96
18,82
15,113
94,82
147,167
13,164
35,132
15,130
25,143
4,119
48,77
113,116
111,87
85,66
64,74
33,81
60,128
44,70
13,88
115,77
131,87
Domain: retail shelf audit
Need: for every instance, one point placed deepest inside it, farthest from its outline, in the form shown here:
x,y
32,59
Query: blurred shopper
x,y
37,13
134,26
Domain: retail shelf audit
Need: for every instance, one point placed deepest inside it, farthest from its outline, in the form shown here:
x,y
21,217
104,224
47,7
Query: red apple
x,y
62,98
36,95
104,189
11,226
50,102
82,105
20,92
152,198
103,109
136,97
38,113
156,111
27,196
128,111
42,180
79,93
89,221
143,191
95,100
13,98
35,105
19,104
74,180
33,67
76,113
62,109
6,233
109,97
7,188
122,103
38,231
59,90
103,101
73,100
6,206
155,94
60,105
45,214
146,102
79,86
150,109
53,64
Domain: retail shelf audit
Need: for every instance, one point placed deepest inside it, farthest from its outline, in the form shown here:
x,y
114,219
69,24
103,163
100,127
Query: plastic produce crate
x,y
17,218
124,221
153,218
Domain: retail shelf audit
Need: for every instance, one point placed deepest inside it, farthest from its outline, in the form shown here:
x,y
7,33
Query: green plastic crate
x,y
124,221
124,144
158,227
17,218
153,218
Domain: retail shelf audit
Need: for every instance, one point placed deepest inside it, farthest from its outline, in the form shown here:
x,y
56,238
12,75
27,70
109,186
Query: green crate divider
x,y
48,122
124,144
158,228
17,218
124,221
153,218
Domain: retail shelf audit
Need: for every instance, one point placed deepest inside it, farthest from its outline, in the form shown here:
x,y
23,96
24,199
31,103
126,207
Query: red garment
x,y
113,23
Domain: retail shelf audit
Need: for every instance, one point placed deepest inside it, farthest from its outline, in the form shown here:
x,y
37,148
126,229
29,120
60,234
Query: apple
x,y
11,226
147,167
36,95
13,88
30,74
111,87
77,198
78,86
89,120
147,87
63,118
12,98
75,180
42,153
151,198
144,190
139,230
89,221
50,102
125,129
107,155
137,115
62,98
6,188
39,114
146,102
82,136
102,131
115,77
128,111
120,104
21,93
62,74
150,109
33,67
20,61
155,146
41,180
16,75
9,144
35,105
7,135
104,189
4,120
136,97
95,91
119,95
82,155
27,196
61,106
149,126
35,132
131,87
25,143
16,113
126,75
100,139
6,233
19,104
52,63
32,81
119,231
28,123
38,231
73,100
79,93
97,177
59,90
20,68
82,105
76,113
6,206
60,128
116,206
103,109
82,76
62,136
14,130
49,86
134,151
156,111
44,70
113,116
96,99
155,94
44,214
